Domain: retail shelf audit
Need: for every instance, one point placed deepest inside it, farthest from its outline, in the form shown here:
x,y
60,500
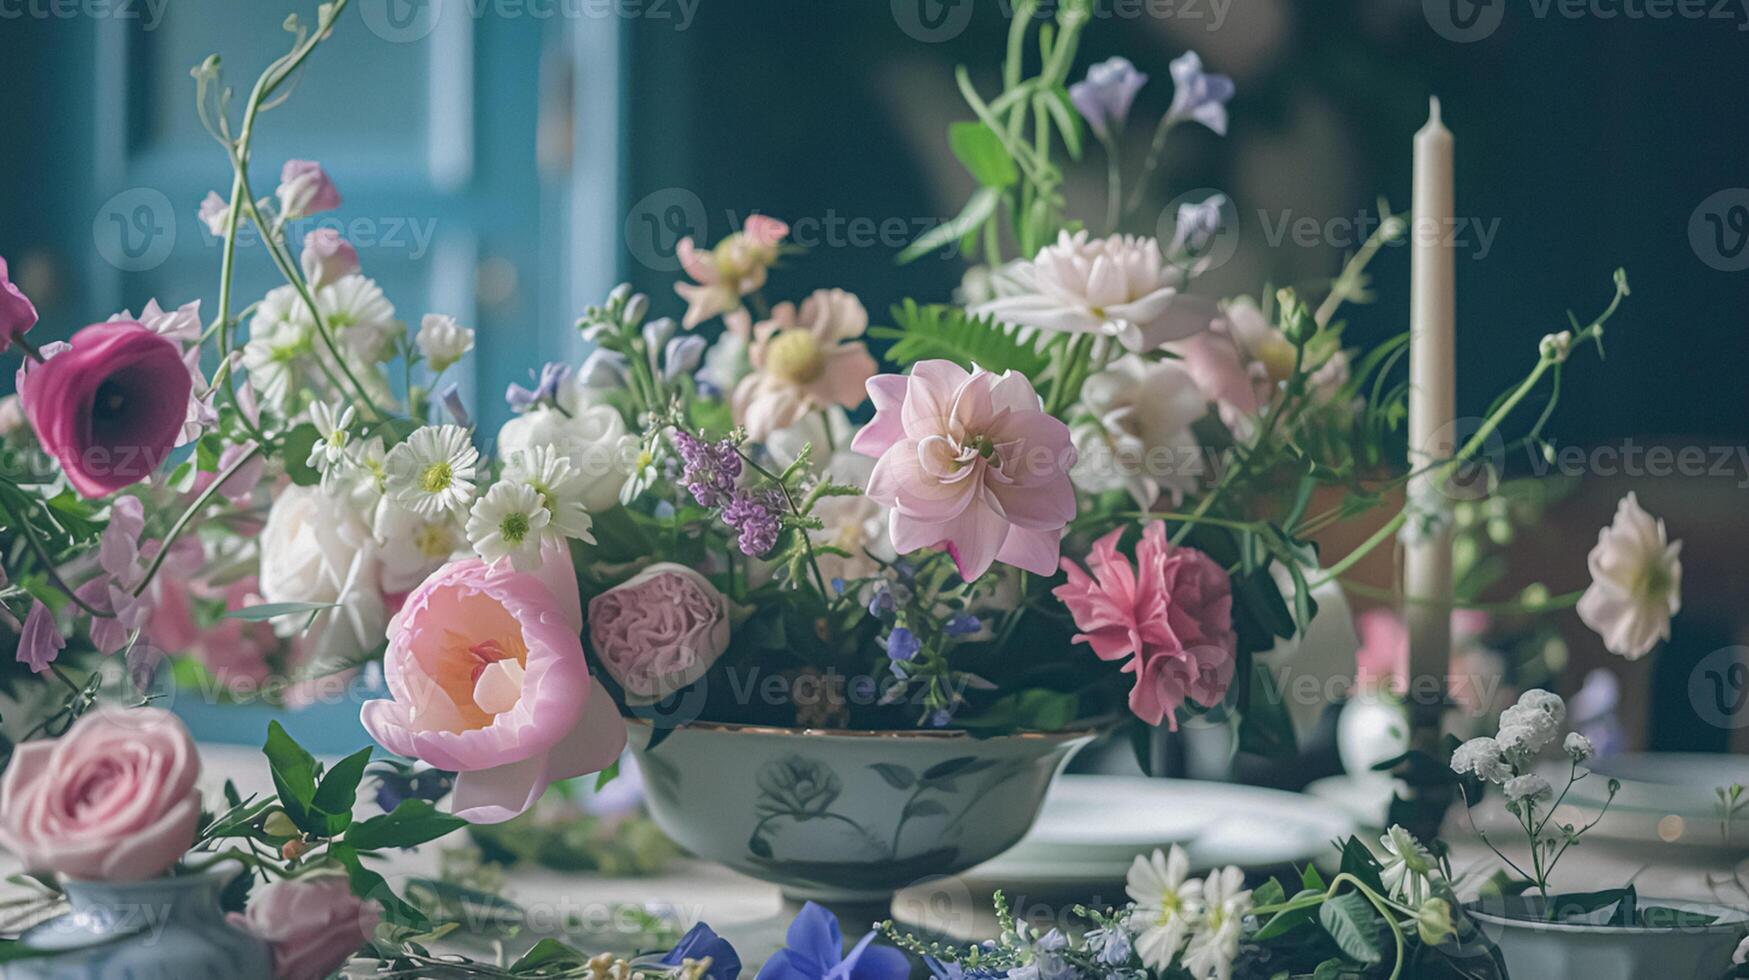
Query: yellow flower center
x,y
433,541
437,477
795,356
1169,905
514,527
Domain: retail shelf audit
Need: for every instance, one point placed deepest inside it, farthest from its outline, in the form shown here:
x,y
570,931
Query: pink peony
x,y
969,462
17,312
1171,613
327,258
111,407
314,924
804,362
728,272
487,679
660,631
111,800
305,189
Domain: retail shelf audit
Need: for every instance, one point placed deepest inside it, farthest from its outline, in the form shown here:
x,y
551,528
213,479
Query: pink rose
x,y
314,924
487,679
968,461
1171,613
17,312
660,631
111,800
327,257
111,406
305,189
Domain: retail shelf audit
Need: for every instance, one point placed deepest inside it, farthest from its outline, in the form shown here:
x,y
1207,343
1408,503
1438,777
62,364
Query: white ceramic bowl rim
x,y
1086,729
1729,920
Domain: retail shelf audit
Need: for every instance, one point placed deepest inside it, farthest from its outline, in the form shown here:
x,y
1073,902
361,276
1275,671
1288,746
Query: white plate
x,y
1366,798
1666,799
1092,827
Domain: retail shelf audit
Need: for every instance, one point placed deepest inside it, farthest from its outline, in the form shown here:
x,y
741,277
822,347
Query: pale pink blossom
x,y
327,258
1170,614
305,189
40,642
215,213
804,361
1241,361
723,275
968,461
1119,286
1636,582
487,679
313,924
1382,662
659,631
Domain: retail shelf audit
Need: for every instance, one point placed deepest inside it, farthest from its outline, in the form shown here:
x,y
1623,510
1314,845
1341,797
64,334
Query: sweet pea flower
x,y
1104,97
312,923
1170,613
111,800
1119,286
215,213
659,631
488,680
110,407
804,361
443,341
969,462
40,641
1198,96
736,267
305,189
1636,582
814,950
17,312
327,258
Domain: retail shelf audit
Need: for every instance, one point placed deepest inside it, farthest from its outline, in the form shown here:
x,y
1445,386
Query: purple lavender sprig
x,y
711,469
757,515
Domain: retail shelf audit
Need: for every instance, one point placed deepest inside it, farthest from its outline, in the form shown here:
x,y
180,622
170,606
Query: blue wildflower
x,y
962,624
1198,96
814,950
1104,97
699,942
902,644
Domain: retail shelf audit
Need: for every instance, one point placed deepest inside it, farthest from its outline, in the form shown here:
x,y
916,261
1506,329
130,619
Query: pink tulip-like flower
x,y
111,407
804,362
40,640
970,462
728,272
111,800
486,671
327,258
17,312
313,924
305,189
1171,613
1636,582
659,631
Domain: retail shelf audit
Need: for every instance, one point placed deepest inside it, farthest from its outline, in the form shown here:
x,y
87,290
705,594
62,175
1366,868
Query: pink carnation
x,y
1171,613
969,461
660,631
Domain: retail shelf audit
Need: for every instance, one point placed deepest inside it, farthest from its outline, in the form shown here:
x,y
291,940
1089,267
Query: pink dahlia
x,y
968,461
1171,613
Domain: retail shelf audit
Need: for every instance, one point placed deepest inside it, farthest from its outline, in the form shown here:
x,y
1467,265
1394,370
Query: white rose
x,y
1138,434
316,548
443,341
594,438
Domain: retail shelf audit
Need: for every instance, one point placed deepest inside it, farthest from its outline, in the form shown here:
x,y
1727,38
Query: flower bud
x,y
1433,922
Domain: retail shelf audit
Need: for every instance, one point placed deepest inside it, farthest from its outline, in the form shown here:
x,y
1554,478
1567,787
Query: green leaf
x,y
262,612
1062,112
1359,862
979,208
979,149
1349,921
938,331
411,823
338,790
546,954
606,776
295,451
370,885
294,777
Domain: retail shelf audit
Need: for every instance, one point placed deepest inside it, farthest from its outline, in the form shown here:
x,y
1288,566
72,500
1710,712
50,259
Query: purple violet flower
x,y
902,644
962,624
1197,96
546,388
1104,97
814,950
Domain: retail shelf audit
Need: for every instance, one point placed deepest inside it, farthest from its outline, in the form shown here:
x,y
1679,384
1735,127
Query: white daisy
x,y
443,341
277,356
433,471
1406,866
560,486
508,523
360,317
1167,906
1214,946
331,427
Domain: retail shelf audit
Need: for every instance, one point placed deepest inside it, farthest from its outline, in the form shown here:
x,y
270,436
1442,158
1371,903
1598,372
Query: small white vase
x,y
1578,951
1372,728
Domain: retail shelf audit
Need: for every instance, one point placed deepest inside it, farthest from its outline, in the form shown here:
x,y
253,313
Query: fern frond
x,y
940,331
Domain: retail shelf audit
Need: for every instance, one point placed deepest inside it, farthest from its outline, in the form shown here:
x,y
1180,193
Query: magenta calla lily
x,y
486,671
111,407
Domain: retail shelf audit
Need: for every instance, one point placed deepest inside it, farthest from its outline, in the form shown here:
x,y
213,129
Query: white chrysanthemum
x,y
277,355
1529,786
433,471
1215,944
1138,437
1482,756
1636,582
1578,747
1167,905
1405,867
360,317
560,486
1119,286
508,522
443,341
